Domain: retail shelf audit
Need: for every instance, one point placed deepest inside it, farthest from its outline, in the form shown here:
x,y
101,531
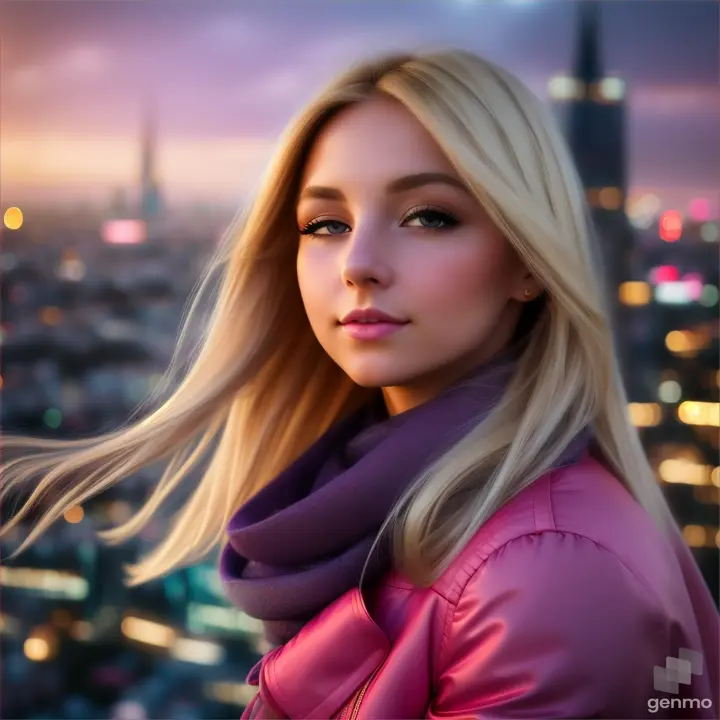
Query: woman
x,y
422,460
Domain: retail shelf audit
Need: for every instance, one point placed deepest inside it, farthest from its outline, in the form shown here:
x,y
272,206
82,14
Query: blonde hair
x,y
261,389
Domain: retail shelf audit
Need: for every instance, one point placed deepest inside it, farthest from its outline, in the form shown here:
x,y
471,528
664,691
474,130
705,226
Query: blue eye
x,y
426,218
333,227
430,219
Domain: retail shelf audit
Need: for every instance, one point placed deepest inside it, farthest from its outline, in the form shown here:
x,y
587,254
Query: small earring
x,y
527,293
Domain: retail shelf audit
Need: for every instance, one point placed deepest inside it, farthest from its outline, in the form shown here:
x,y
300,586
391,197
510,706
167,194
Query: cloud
x,y
676,100
27,79
82,62
293,82
281,85
230,33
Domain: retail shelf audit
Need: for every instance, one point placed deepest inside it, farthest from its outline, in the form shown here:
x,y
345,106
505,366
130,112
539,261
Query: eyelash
x,y
448,218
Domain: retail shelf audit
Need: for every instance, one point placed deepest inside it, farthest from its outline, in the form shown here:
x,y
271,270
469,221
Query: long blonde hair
x,y
260,389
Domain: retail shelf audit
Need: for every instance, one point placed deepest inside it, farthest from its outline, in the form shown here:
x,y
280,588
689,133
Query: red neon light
x,y
671,225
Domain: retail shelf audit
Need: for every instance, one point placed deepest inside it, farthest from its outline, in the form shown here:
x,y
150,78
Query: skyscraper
x,y
591,108
150,196
668,344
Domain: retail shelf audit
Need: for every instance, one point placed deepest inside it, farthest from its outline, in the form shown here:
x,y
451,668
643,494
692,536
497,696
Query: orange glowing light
x,y
610,198
74,514
51,316
13,219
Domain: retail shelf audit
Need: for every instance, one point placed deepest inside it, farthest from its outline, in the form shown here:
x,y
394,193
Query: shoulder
x,y
542,601
550,625
581,511
559,583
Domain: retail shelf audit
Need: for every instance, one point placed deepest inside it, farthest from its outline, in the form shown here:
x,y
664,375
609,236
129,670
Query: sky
x,y
226,76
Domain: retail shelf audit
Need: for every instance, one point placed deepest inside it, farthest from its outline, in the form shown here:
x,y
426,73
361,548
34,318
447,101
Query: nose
x,y
366,261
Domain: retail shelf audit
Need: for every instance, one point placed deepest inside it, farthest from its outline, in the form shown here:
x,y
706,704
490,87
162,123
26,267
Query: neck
x,y
401,398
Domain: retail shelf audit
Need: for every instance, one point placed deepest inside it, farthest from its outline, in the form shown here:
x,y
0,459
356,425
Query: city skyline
x,y
226,80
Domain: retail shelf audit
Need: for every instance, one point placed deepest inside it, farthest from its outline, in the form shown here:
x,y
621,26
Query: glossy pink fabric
x,y
560,606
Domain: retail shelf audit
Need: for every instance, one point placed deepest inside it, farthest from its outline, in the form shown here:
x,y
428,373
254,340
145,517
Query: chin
x,y
372,373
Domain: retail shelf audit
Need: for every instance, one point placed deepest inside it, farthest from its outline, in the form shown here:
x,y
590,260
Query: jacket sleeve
x,y
551,625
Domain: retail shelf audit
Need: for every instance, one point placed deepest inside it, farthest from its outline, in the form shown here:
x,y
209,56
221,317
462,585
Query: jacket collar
x,y
319,669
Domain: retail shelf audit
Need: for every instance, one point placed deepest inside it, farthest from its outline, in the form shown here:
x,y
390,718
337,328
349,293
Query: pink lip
x,y
371,331
370,314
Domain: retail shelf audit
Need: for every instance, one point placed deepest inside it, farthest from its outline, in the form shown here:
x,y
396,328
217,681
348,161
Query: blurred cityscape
x,y
91,303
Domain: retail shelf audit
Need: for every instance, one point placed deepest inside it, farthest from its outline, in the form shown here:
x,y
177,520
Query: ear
x,y
527,288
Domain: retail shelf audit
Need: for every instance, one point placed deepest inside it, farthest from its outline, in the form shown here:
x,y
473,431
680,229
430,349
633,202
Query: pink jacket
x,y
567,603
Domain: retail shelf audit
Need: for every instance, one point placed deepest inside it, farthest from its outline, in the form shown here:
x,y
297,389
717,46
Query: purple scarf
x,y
301,542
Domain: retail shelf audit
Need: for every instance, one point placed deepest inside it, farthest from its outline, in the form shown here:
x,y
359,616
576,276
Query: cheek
x,y
467,281
313,279
303,275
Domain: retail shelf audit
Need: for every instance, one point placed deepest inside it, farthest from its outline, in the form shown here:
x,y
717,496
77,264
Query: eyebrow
x,y
402,184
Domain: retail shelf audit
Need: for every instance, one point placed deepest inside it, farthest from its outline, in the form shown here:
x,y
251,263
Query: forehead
x,y
374,140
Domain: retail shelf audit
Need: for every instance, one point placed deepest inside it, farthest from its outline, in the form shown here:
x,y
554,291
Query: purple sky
x,y
228,76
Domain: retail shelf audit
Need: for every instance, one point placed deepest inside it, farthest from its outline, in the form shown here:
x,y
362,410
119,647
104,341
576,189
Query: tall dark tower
x,y
150,197
591,107
596,117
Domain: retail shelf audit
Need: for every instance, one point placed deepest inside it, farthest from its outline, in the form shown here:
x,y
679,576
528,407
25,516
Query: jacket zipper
x,y
359,697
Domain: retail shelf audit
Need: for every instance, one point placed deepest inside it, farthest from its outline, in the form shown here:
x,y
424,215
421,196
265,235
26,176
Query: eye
x,y
318,227
430,219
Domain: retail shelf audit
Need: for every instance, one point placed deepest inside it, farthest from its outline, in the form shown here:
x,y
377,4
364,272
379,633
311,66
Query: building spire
x,y
150,198
588,61
148,142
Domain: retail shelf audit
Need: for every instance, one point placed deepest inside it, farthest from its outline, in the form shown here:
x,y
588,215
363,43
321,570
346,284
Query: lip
x,y
371,331
371,324
368,315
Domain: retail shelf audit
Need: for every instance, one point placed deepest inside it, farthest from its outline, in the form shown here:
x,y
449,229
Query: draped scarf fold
x,y
302,541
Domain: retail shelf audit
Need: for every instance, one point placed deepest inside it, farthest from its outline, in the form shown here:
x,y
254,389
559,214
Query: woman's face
x,y
385,223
